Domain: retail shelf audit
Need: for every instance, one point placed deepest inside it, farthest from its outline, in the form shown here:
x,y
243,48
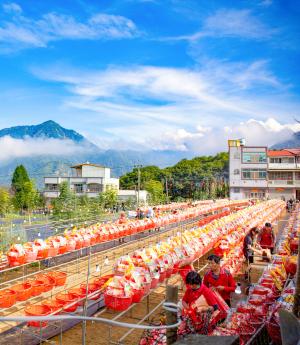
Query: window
x,y
280,175
52,187
287,160
95,188
254,174
275,160
78,187
236,171
254,157
297,175
236,190
283,160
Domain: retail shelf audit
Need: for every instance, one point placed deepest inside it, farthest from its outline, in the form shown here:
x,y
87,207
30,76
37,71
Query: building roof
x,y
295,151
89,164
279,153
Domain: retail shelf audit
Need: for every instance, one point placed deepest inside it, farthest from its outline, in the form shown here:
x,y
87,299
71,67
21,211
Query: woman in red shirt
x,y
266,238
194,290
219,278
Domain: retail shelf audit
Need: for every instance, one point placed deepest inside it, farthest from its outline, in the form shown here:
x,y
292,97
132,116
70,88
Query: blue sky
x,y
162,74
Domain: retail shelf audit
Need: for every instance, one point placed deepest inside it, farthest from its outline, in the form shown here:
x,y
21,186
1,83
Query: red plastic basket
x,y
49,282
38,287
54,305
42,253
92,287
14,259
67,298
169,272
117,303
79,292
137,295
37,310
162,276
102,280
30,256
154,283
7,298
147,288
52,251
59,277
23,291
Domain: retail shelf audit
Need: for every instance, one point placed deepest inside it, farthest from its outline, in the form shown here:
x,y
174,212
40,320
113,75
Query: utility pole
x,y
167,190
138,166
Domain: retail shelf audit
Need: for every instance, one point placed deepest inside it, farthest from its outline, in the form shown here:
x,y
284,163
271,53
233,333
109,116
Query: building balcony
x,y
284,183
284,166
51,194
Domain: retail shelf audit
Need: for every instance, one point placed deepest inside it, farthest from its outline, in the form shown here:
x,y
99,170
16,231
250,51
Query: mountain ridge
x,y
47,129
120,161
288,144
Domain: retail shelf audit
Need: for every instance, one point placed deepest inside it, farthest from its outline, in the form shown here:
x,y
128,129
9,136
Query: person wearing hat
x,y
266,238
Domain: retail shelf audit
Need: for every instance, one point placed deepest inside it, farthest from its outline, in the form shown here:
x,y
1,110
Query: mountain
x,y
288,144
48,129
120,161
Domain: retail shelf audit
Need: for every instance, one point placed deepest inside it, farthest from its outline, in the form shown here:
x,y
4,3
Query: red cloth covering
x,y
224,279
266,238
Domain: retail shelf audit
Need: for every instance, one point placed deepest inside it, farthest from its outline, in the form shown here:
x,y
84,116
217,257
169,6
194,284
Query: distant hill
x,y
121,161
288,144
48,129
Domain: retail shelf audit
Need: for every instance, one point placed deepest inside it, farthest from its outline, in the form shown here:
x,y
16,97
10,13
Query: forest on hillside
x,y
198,178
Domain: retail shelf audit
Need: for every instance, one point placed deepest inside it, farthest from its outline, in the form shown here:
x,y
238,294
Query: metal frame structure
x,y
83,266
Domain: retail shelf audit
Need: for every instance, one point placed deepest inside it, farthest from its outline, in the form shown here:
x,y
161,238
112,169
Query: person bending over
x,y
219,278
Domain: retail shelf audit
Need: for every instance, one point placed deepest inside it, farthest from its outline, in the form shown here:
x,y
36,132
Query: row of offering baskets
x,y
267,296
67,301
76,239
137,273
40,283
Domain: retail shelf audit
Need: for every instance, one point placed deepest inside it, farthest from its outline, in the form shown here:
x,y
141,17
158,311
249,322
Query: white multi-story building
x,y
91,179
256,172
247,170
284,173
86,179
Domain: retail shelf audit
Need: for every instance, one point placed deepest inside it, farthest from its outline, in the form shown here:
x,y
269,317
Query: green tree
x,y
108,198
31,197
65,205
26,197
197,178
5,201
156,191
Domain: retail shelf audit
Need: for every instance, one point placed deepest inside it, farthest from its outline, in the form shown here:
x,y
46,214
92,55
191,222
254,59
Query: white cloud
x,y
214,139
230,23
12,8
140,105
266,3
22,32
11,148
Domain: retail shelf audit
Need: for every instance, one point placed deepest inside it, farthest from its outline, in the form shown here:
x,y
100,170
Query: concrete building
x,y
284,173
91,179
256,172
127,194
247,170
86,179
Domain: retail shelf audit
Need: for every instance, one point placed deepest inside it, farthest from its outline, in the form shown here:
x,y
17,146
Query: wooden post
x,y
172,296
296,306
